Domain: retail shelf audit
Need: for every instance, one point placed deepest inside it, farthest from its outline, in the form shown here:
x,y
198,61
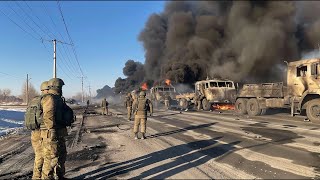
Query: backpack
x,y
68,115
64,114
143,105
34,114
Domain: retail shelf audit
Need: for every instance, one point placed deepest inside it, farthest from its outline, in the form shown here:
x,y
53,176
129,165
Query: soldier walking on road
x,y
128,104
141,106
36,142
167,101
53,132
104,106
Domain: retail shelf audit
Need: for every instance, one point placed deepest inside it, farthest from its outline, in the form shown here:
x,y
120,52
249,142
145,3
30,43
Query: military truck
x,y
157,93
301,95
209,92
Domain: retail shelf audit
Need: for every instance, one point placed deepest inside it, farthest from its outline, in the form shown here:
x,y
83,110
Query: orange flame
x,y
223,107
144,86
168,82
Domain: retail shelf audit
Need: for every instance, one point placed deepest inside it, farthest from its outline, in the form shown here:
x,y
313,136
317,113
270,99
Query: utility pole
x,y
89,92
82,94
27,89
55,54
54,58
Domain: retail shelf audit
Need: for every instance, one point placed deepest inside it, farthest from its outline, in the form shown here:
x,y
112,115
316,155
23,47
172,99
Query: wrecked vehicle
x,y
301,95
209,92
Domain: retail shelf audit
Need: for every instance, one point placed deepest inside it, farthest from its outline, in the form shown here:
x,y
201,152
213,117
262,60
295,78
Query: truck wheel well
x,y
307,98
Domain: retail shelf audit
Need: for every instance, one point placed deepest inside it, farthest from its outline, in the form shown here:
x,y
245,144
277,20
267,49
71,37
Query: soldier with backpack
x,y
141,106
36,140
56,117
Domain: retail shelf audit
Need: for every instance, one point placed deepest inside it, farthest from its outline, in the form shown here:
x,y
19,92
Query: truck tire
x,y
241,106
183,103
253,107
206,105
313,111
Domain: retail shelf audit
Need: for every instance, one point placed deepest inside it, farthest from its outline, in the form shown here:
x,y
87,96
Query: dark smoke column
x,y
239,40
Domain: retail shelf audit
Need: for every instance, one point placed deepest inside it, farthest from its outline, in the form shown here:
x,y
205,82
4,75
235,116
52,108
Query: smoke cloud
x,y
238,40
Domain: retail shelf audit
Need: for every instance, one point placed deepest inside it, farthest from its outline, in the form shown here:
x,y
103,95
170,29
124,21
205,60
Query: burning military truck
x,y
159,92
301,95
209,93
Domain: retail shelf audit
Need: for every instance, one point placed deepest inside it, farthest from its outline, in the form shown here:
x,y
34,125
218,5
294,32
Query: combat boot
x,y
135,135
143,136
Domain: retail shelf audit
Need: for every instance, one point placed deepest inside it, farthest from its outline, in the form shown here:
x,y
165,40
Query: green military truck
x,y
301,94
209,92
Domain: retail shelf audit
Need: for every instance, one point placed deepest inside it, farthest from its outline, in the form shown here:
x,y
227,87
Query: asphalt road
x,y
179,145
272,146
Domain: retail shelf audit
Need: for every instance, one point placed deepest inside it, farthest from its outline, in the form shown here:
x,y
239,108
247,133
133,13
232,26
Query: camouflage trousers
x,y
129,109
105,110
142,121
36,142
55,153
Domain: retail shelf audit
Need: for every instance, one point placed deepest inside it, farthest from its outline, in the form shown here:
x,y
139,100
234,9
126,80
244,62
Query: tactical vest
x,y
64,115
142,106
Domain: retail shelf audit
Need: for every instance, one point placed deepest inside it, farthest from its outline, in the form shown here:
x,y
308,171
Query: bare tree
x,y
32,92
5,93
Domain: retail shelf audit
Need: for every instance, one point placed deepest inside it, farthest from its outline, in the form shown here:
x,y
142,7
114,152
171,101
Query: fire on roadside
x,y
168,82
144,87
223,107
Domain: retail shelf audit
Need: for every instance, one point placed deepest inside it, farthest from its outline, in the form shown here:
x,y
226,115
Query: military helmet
x,y
44,86
55,83
142,93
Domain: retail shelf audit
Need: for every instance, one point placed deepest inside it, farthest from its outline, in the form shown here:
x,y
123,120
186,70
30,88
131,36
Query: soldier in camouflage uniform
x,y
141,106
104,106
53,133
128,104
36,142
167,101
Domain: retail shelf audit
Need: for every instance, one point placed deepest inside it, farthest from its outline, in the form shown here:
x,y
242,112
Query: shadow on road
x,y
185,157
181,130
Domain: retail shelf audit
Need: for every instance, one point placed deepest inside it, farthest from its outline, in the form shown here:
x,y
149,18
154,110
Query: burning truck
x,y
158,92
301,95
218,93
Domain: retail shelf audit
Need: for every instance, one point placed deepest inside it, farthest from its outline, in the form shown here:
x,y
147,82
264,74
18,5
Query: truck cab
x,y
215,91
158,93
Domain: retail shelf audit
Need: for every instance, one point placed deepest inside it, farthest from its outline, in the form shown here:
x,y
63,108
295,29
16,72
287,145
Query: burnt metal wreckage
x,y
300,93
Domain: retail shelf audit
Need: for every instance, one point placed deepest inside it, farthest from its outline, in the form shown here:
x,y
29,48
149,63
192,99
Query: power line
x,y
66,49
19,25
18,15
28,16
70,39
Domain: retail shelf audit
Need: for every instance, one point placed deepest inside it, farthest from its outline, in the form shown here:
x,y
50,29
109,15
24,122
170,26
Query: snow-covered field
x,y
11,119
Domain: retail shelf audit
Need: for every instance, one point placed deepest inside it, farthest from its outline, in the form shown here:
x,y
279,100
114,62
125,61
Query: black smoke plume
x,y
135,76
239,40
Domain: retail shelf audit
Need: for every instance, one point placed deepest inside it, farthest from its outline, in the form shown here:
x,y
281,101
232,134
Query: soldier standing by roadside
x,y
141,106
128,104
53,132
104,106
36,142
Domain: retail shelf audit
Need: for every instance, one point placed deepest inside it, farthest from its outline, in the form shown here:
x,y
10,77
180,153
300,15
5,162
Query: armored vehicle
x,y
301,95
209,92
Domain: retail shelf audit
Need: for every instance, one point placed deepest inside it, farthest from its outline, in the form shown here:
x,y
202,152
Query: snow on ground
x,y
11,120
